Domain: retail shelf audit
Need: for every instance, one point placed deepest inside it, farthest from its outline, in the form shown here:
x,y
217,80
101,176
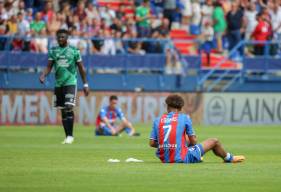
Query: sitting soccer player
x,y
106,120
175,140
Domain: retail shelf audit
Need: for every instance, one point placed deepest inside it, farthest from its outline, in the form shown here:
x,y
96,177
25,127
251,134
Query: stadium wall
x,y
35,107
242,108
104,82
153,82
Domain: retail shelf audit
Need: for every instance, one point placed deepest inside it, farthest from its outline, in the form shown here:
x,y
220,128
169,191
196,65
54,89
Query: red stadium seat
x,y
115,4
215,59
189,48
184,47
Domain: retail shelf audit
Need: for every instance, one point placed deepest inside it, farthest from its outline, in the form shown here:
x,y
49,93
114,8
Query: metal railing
x,y
6,42
5,47
266,55
94,46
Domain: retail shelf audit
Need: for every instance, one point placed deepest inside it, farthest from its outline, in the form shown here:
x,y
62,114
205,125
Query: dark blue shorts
x,y
194,154
103,131
207,46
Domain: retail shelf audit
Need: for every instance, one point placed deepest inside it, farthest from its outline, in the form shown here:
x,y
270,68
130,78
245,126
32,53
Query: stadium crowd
x,y
33,23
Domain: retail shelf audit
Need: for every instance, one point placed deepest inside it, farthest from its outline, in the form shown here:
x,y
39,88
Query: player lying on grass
x,y
173,136
106,120
65,60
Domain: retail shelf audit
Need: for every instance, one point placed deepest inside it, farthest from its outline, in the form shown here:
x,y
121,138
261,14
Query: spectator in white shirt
x,y
92,12
10,9
109,45
275,14
250,19
107,15
207,12
207,40
74,37
3,13
24,30
196,18
23,25
187,13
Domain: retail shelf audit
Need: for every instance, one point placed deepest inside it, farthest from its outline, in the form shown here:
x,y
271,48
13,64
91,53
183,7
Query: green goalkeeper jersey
x,y
64,62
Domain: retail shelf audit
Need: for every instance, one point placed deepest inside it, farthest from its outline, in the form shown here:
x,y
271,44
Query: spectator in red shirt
x,y
262,32
48,12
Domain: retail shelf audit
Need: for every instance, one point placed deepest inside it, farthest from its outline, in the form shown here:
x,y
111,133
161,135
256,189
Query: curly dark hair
x,y
175,101
113,97
62,31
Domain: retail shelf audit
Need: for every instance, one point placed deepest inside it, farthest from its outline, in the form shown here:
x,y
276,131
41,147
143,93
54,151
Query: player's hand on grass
x,y
113,131
42,78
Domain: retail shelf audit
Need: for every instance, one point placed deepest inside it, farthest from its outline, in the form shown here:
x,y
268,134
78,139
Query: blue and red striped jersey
x,y
111,114
169,132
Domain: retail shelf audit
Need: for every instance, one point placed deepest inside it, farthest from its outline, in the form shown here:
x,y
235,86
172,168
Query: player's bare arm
x,y
106,121
82,72
192,140
46,71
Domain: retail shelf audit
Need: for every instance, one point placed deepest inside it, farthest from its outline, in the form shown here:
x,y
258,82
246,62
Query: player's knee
x,y
126,124
129,124
215,141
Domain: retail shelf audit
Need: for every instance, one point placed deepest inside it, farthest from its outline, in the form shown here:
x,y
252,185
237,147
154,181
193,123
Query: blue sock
x,y
228,158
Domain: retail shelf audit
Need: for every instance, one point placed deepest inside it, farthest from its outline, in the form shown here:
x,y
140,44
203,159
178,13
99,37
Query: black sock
x,y
64,122
70,122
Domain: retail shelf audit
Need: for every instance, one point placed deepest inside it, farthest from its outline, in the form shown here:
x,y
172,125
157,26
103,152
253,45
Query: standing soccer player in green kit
x,y
65,59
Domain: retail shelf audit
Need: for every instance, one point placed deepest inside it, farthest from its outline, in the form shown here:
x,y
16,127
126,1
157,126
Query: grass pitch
x,y
32,159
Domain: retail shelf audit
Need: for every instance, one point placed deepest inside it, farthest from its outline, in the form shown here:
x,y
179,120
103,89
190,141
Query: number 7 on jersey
x,y
167,133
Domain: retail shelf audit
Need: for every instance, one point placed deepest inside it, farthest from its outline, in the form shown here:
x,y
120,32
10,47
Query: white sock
x,y
227,157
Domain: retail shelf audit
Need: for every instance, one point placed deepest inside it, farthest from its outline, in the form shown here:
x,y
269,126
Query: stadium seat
x,y
116,4
215,59
180,38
